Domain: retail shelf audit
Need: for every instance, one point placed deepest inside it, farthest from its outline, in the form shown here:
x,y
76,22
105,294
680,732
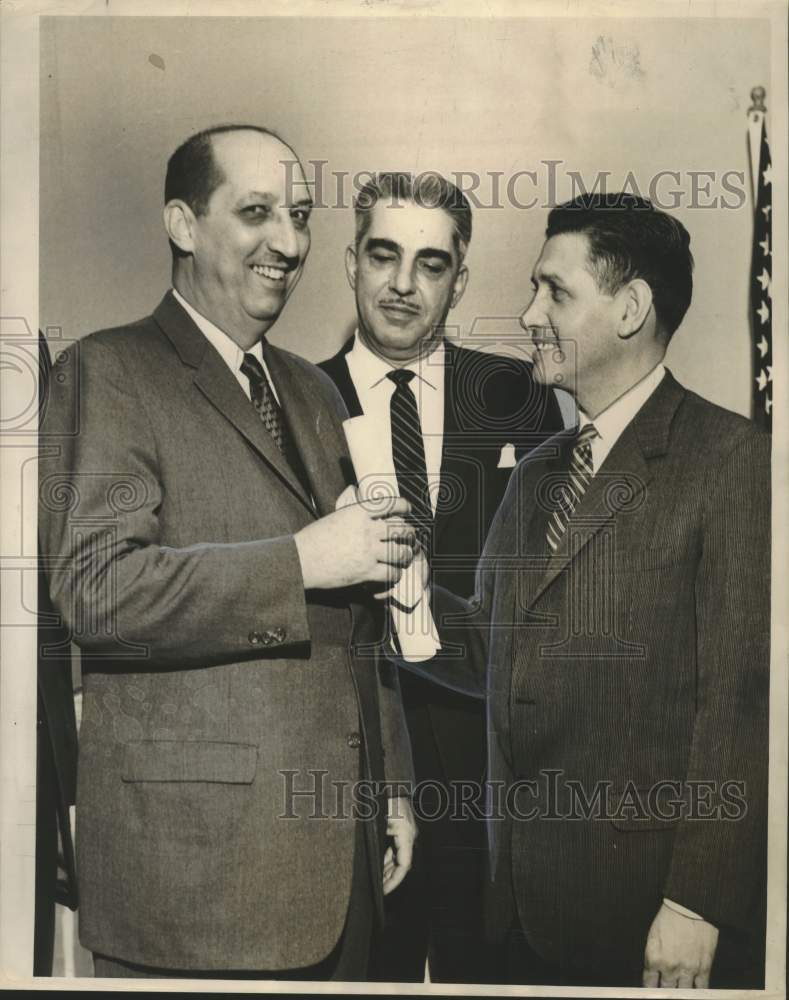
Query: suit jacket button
x,y
279,634
354,740
267,638
255,638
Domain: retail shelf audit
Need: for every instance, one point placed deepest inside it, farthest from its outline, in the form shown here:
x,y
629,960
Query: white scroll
x,y
409,604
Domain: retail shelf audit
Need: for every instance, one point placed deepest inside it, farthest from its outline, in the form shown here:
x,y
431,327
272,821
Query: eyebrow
x,y
549,277
378,243
270,199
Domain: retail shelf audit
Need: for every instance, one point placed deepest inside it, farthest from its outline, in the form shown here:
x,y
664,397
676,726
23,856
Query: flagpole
x,y
761,263
756,113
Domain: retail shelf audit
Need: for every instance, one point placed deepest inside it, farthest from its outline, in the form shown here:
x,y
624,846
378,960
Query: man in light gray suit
x,y
188,482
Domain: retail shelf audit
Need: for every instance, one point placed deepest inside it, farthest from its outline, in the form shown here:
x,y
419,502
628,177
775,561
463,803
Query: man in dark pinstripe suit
x,y
621,633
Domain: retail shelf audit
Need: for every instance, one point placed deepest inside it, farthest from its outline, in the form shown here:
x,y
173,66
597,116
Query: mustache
x,y
400,304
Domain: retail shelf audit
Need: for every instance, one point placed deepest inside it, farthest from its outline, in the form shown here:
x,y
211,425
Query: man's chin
x,y
395,348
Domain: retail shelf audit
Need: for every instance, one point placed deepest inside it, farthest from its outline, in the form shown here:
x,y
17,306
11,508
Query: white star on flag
x,y
760,285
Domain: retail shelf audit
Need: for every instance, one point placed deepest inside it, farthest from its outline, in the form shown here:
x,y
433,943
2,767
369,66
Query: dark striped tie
x,y
578,477
408,453
265,402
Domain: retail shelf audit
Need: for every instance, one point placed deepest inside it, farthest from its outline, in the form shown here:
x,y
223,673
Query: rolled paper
x,y
372,464
412,618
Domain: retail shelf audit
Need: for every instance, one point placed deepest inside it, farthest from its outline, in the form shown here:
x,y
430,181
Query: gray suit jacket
x,y
637,655
213,683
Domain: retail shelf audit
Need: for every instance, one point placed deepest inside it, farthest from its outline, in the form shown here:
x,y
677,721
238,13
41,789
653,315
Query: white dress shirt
x,y
368,373
613,420
228,349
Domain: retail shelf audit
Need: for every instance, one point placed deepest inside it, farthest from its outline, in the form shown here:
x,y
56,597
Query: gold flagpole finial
x,y
758,95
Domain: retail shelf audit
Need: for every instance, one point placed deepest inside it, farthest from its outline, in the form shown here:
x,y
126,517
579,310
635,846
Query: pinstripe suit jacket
x,y
167,520
633,666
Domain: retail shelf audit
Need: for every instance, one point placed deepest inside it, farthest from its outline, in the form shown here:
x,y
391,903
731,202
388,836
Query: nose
x,y
529,317
282,237
402,279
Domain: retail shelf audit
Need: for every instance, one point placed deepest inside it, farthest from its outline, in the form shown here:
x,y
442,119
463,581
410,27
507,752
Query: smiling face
x,y
407,275
246,252
573,324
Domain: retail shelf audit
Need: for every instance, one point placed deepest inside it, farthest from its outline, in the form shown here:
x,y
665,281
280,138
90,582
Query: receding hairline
x,y
263,134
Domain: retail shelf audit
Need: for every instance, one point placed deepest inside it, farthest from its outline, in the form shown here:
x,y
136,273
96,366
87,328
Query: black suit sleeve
x,y
464,625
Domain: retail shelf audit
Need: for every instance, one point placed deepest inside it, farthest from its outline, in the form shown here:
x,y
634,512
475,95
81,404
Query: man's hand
x,y
401,827
411,588
679,951
362,542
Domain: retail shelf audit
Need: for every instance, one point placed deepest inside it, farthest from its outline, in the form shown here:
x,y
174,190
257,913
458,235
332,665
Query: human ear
x,y
635,301
179,222
461,280
351,262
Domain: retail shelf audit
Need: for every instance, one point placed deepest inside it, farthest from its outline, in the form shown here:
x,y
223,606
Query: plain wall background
x,y
119,94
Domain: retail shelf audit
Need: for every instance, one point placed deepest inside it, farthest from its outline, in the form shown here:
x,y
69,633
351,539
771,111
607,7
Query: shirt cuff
x,y
678,908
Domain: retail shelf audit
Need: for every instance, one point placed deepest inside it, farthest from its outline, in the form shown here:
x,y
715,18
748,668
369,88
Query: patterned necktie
x,y
265,402
408,453
579,475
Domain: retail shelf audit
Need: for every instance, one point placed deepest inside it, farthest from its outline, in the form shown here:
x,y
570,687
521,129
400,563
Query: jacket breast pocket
x,y
189,761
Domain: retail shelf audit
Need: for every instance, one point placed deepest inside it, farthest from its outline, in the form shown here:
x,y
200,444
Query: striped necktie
x,y
579,476
408,453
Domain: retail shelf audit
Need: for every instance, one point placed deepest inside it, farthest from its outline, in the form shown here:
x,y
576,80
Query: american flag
x,y
761,287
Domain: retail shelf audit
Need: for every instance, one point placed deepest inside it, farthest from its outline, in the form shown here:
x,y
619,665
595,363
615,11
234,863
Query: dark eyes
x,y
255,212
300,216
557,293
433,268
258,213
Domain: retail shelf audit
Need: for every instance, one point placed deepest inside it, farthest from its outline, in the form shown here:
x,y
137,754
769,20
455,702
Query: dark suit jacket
x,y
211,680
56,764
637,654
489,401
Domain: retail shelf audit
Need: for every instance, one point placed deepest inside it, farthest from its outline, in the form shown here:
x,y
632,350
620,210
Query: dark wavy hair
x,y
428,190
630,238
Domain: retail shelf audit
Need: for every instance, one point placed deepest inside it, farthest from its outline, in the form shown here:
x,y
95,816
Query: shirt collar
x,y
227,348
614,418
371,369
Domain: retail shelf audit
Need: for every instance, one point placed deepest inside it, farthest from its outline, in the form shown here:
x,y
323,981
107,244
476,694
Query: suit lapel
x,y
337,369
217,383
620,483
551,460
317,439
450,467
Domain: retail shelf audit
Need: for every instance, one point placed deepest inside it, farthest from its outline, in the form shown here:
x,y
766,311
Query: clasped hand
x,y
361,542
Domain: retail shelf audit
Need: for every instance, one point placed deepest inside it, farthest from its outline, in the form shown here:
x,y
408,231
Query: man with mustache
x,y
448,423
620,632
189,475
